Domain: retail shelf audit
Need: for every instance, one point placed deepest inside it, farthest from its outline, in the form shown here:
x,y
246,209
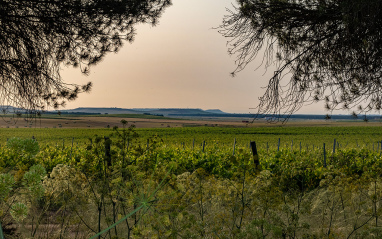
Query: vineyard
x,y
347,137
191,182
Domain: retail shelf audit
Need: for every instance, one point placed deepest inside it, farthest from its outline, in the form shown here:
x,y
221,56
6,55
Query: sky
x,y
180,63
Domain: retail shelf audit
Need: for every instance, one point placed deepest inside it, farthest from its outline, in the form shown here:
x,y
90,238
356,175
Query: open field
x,y
193,179
141,121
63,130
347,135
103,122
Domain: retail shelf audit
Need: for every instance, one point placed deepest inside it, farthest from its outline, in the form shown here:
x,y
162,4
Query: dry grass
x,y
102,122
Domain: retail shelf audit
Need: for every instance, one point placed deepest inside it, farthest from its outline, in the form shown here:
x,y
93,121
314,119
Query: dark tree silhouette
x,y
326,50
37,37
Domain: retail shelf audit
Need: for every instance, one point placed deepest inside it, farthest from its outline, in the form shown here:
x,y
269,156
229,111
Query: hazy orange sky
x,y
180,63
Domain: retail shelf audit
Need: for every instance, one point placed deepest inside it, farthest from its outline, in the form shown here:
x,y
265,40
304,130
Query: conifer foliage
x,y
325,50
37,37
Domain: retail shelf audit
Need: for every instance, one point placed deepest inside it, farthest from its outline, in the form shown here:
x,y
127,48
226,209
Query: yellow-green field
x,y
367,135
191,180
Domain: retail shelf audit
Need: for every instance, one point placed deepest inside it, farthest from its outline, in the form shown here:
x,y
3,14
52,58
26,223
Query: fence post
x,y
334,146
107,150
234,145
193,143
278,146
324,156
300,147
254,153
204,144
71,149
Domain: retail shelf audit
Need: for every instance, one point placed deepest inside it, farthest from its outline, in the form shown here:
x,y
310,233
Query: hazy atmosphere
x,y
180,63
147,153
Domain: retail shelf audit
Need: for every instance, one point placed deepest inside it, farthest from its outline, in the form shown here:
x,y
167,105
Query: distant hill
x,y
95,110
215,111
184,112
151,111
180,111
195,112
7,108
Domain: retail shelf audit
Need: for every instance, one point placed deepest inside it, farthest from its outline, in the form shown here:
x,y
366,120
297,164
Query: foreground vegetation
x,y
138,185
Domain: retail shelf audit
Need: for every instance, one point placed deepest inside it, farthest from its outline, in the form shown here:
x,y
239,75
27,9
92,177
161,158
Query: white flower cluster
x,y
65,180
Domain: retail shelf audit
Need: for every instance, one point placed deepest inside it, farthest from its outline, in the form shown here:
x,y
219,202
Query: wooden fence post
x,y
278,146
71,149
234,145
107,150
334,146
254,153
324,156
